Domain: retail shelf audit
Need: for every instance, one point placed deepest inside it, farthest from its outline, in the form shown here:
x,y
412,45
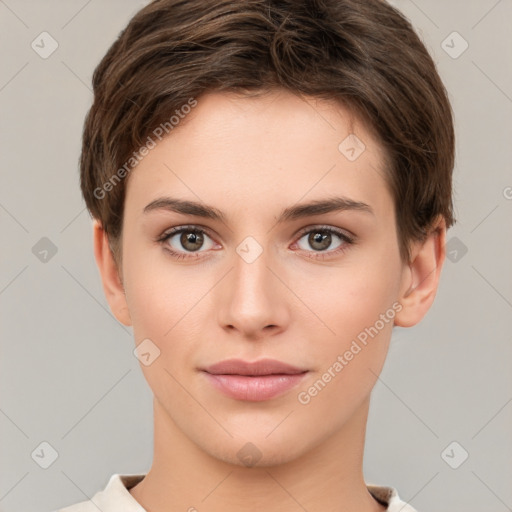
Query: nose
x,y
252,300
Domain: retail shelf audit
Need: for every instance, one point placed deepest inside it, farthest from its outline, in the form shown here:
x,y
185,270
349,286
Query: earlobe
x,y
110,275
420,278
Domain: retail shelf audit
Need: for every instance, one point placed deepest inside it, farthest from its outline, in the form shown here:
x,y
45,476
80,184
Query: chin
x,y
256,451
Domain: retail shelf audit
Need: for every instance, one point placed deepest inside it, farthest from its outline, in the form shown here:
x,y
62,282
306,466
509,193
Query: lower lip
x,y
254,389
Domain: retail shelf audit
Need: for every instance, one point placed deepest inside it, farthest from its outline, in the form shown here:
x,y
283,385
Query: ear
x,y
110,276
420,277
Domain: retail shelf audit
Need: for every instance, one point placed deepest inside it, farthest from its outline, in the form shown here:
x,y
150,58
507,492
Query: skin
x,y
251,158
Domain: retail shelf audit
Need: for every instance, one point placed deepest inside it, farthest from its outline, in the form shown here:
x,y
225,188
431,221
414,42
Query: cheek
x,y
356,305
164,309
159,300
358,308
348,300
172,309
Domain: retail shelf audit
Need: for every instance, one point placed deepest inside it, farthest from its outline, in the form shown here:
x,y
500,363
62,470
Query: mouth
x,y
253,381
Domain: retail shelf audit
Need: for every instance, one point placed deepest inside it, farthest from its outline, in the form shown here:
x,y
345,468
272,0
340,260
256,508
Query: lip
x,y
253,381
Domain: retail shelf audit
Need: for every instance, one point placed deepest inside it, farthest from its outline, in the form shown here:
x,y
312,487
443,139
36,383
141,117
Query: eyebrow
x,y
317,207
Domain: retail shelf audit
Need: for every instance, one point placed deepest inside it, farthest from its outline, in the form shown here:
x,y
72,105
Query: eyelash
x,y
320,255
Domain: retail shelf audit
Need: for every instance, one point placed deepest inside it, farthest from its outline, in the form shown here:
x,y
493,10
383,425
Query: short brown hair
x,y
363,54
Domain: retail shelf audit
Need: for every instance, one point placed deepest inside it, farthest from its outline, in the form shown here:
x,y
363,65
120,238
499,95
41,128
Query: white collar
x,y
116,497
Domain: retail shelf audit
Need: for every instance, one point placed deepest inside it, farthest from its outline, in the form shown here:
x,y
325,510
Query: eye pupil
x,y
189,237
318,238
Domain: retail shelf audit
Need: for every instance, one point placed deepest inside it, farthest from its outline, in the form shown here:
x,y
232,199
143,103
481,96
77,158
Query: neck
x,y
184,477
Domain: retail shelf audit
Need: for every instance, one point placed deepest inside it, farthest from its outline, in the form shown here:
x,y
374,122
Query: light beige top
x,y
116,498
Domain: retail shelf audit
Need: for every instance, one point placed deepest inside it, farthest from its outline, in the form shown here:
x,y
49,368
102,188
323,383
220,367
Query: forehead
x,y
257,151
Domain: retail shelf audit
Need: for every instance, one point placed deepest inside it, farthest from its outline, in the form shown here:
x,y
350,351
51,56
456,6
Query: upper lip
x,y
261,367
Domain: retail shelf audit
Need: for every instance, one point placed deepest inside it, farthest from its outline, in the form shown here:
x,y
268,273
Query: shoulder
x,y
115,497
83,506
389,496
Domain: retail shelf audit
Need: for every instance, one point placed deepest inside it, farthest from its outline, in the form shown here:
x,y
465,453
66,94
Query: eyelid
x,y
184,227
327,227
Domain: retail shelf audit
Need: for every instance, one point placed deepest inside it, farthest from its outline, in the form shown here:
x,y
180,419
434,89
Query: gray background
x,y
68,375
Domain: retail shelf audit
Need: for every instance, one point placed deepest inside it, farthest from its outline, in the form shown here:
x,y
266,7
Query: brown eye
x,y
321,239
321,242
185,240
191,241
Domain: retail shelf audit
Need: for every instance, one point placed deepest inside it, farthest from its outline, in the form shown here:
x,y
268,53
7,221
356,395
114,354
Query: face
x,y
262,276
